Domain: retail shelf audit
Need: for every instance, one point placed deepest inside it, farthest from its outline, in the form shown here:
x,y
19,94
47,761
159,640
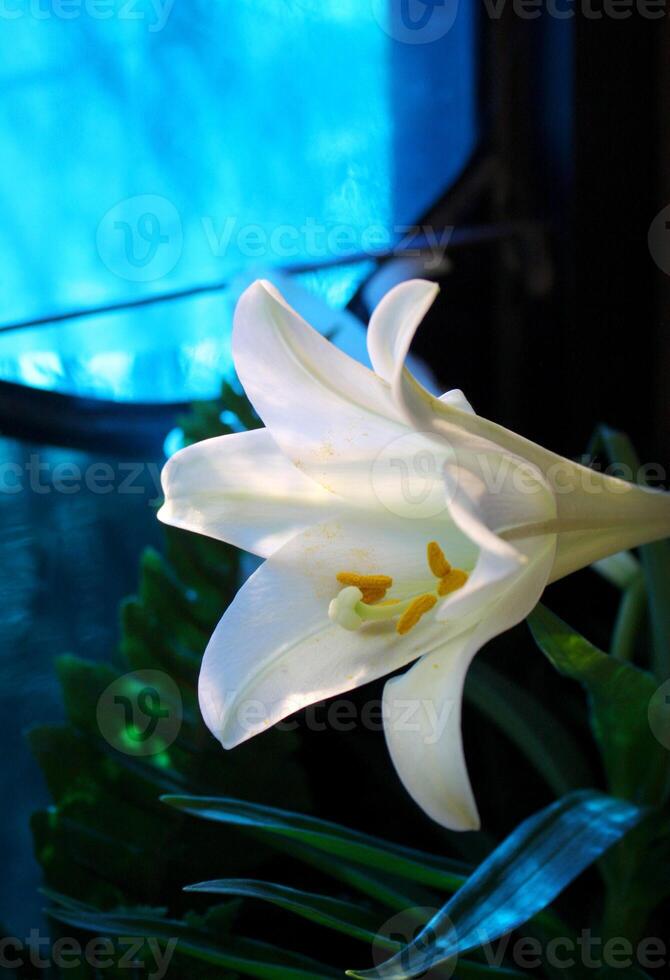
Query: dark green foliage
x,y
107,840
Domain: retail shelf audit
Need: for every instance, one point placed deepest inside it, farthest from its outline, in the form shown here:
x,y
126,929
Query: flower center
x,y
363,597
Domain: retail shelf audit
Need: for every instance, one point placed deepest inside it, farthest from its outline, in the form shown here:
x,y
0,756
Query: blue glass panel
x,y
151,145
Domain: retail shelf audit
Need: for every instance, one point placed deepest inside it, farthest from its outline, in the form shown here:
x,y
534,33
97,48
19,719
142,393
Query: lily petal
x,y
596,514
240,488
394,323
456,398
329,414
481,515
275,650
422,708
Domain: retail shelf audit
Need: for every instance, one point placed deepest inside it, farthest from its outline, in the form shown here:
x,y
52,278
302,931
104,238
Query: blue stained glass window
x,y
153,145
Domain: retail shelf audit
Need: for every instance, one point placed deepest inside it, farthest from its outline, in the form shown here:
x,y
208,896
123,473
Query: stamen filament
x,y
362,598
382,610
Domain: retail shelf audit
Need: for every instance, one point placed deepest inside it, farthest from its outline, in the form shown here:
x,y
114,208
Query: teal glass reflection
x,y
150,146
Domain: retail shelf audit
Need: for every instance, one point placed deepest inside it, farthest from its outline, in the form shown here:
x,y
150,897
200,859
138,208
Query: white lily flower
x,y
396,527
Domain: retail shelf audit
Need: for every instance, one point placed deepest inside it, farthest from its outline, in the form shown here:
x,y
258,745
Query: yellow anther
x,y
422,604
455,579
373,587
439,565
372,596
365,581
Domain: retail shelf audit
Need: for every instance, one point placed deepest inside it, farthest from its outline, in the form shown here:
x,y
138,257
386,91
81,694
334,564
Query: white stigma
x,y
342,609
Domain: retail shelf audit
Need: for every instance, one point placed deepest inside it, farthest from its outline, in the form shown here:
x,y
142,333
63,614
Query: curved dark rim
x,y
85,423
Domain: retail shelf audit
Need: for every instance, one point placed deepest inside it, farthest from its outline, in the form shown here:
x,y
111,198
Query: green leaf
x,y
544,741
381,887
346,917
656,565
521,877
249,957
630,619
636,763
330,837
619,569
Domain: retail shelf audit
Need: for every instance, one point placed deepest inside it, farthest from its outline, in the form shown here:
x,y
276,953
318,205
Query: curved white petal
x,y
422,708
241,489
329,414
509,497
394,323
392,327
596,514
456,398
275,650
450,417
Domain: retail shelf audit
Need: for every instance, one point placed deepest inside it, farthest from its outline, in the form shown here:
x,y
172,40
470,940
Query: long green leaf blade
x,y
655,558
521,877
334,913
636,763
345,917
249,957
326,836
